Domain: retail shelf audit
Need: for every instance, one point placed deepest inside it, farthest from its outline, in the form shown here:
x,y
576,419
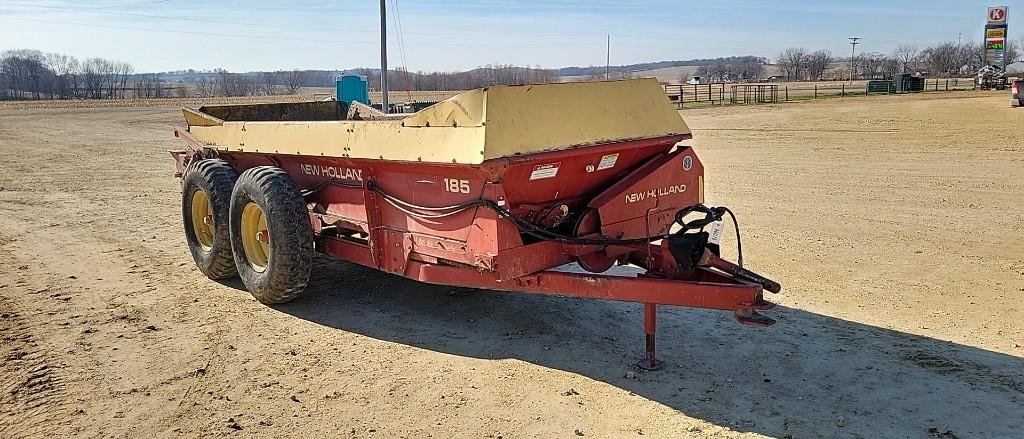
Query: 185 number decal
x,y
457,186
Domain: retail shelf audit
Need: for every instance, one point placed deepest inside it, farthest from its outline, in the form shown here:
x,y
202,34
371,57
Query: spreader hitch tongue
x,y
712,260
696,249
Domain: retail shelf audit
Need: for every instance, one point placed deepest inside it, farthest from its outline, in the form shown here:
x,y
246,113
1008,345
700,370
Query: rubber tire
x,y
217,179
290,259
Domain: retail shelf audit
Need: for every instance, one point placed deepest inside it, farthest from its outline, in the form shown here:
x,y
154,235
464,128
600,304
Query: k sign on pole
x,y
995,36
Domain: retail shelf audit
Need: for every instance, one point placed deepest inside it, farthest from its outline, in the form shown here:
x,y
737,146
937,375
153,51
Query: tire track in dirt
x,y
120,360
31,388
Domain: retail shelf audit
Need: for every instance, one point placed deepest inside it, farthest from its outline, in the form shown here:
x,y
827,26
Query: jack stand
x,y
650,362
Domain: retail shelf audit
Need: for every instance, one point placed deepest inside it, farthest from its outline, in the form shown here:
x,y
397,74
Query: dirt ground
x,y
895,224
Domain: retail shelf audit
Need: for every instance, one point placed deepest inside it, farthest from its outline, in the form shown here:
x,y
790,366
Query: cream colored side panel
x,y
533,118
366,139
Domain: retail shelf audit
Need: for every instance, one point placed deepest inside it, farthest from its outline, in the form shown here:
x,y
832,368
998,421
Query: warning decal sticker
x,y
608,161
540,172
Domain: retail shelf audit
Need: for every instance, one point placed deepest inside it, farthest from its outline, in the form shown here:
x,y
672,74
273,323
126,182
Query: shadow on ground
x,y
809,376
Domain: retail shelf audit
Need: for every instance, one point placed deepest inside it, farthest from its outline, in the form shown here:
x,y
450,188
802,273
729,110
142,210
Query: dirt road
x,y
894,224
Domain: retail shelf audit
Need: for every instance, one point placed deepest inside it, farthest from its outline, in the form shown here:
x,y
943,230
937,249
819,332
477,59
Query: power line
x,y
179,31
284,26
401,49
268,37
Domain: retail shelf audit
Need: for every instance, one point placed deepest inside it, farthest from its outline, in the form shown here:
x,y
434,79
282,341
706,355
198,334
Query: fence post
x,y
787,93
947,85
843,94
815,91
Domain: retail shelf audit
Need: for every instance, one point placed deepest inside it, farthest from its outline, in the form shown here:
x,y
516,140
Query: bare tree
x,y
944,58
719,72
149,86
792,61
268,83
65,71
295,80
880,66
703,71
906,55
206,86
93,75
1012,51
971,58
122,70
753,70
817,63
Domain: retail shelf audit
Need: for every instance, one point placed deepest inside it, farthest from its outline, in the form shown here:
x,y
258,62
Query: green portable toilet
x,y
353,88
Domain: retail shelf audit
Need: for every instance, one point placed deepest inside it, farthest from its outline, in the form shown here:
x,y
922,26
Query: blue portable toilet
x,y
353,88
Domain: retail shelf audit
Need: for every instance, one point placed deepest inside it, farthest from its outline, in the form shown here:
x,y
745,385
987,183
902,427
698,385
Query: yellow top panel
x,y
471,127
533,118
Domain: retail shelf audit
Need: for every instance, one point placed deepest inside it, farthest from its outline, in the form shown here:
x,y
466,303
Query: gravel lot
x,y
895,224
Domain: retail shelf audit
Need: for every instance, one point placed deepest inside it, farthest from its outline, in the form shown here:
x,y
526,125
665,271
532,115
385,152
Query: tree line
x,y
736,68
34,75
256,83
31,74
942,59
491,74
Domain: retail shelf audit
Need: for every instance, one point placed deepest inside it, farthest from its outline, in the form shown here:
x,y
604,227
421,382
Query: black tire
x,y
216,179
289,256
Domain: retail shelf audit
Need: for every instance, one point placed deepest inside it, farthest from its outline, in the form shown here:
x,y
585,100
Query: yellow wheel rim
x,y
255,237
202,220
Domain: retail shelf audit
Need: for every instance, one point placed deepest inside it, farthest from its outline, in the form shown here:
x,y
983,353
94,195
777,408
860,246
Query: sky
x,y
436,35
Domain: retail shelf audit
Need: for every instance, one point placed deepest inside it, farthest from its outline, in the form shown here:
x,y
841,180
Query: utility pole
x,y
853,55
383,56
608,59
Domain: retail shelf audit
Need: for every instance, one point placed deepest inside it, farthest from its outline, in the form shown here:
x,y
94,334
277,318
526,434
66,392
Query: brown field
x,y
307,94
894,223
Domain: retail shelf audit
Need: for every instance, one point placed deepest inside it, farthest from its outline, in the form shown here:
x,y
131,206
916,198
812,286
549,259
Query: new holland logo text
x,y
333,172
655,193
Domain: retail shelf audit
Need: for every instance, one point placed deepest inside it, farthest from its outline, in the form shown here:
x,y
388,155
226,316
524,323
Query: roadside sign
x,y
995,37
997,14
993,33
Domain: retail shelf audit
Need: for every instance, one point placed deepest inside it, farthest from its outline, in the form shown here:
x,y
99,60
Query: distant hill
x,y
575,71
597,70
